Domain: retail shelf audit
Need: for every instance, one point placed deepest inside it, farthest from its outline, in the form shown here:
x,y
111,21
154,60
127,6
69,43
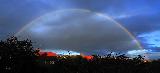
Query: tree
x,y
16,56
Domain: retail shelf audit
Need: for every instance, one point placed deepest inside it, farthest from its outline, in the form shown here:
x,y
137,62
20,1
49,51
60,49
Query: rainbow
x,y
88,11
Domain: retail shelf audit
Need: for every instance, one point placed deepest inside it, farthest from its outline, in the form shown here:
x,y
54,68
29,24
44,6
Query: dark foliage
x,y
16,56
20,57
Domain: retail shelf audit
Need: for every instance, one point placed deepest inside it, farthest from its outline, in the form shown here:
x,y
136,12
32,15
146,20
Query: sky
x,y
140,17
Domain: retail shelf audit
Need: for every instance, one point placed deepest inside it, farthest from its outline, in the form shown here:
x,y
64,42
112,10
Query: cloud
x,y
61,52
15,15
135,23
138,52
79,31
154,55
147,53
152,39
134,15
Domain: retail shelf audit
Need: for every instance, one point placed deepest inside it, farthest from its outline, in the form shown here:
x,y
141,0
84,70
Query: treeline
x,y
20,57
116,64
17,56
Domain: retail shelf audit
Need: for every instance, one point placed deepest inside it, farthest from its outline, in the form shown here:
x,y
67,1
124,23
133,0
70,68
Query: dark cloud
x,y
142,23
16,14
139,16
78,30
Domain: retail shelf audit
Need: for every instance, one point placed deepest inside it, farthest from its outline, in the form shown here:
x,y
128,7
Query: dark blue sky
x,y
140,17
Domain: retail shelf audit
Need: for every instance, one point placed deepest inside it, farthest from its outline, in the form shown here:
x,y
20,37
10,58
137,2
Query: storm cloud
x,y
138,16
79,31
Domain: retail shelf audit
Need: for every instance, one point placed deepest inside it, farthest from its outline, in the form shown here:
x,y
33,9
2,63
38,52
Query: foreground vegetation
x,y
20,57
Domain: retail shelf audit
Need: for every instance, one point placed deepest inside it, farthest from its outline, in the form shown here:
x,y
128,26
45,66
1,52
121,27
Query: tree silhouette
x,y
16,56
19,57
